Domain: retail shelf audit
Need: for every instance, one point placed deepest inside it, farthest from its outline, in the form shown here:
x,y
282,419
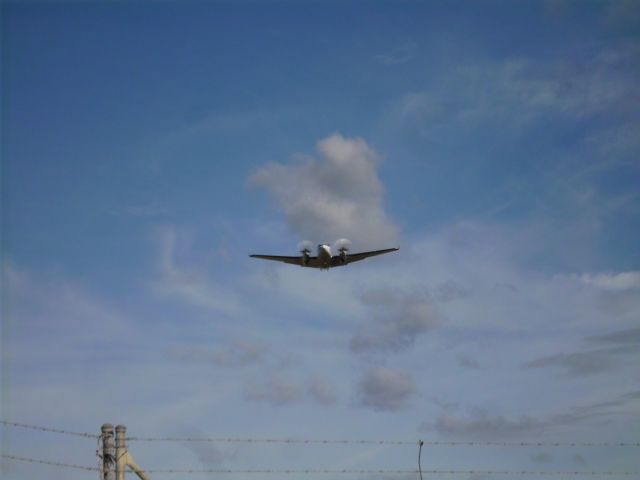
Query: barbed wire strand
x,y
334,471
323,471
47,429
436,443
48,462
399,472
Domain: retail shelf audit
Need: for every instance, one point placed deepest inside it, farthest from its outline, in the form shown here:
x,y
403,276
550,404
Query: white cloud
x,y
336,196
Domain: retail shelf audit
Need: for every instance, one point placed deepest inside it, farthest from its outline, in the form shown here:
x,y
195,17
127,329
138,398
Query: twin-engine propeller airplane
x,y
324,260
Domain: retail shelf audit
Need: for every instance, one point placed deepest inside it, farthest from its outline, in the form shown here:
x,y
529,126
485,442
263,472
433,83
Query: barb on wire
x,y
47,429
48,462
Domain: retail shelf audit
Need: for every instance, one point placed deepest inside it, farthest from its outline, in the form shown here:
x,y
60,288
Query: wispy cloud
x,y
479,423
321,392
207,453
50,313
622,337
190,284
612,281
594,361
384,389
240,353
519,90
502,108
402,54
583,363
398,318
277,391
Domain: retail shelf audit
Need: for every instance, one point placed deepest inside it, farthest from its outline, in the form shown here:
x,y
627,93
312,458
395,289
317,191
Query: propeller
x,y
342,245
305,246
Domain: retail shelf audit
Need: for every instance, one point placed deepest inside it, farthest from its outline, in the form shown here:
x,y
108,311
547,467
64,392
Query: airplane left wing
x,y
292,260
356,257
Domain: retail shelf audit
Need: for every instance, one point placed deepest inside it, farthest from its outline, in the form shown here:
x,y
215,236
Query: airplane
x,y
324,260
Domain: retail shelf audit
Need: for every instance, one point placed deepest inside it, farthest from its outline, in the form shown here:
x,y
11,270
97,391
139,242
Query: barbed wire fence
x,y
325,471
329,441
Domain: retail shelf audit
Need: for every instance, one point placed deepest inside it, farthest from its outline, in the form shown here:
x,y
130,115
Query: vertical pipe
x,y
108,453
419,457
121,451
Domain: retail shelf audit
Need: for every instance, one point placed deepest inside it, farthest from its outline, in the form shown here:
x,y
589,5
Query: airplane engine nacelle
x,y
343,255
305,257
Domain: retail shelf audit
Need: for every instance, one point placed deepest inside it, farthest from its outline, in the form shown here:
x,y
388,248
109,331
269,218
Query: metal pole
x,y
420,443
121,452
108,453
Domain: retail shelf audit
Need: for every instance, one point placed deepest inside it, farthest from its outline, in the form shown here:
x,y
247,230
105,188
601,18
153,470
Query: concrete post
x,y
121,451
108,453
131,463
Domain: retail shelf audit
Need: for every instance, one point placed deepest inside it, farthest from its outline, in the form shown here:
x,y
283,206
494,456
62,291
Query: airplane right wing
x,y
355,257
292,260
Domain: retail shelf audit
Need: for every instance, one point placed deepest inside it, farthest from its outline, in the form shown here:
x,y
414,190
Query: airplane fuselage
x,y
324,255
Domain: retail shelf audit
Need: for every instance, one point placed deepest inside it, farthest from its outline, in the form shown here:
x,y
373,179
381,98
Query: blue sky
x,y
149,147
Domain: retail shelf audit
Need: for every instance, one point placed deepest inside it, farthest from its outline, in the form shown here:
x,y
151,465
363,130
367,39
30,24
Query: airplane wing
x,y
292,260
356,257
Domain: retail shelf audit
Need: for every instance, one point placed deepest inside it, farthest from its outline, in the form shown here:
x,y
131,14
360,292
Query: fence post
x,y
108,453
121,451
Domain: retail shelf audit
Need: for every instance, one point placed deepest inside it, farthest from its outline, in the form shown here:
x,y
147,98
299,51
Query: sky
x,y
149,147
